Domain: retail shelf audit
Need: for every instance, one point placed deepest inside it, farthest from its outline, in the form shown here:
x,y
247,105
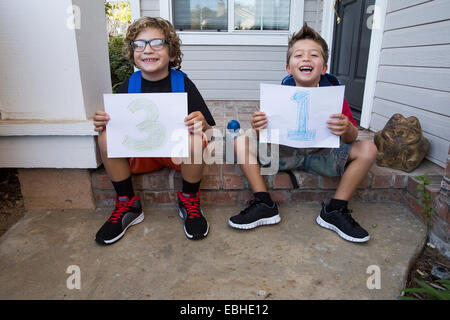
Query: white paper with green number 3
x,y
146,125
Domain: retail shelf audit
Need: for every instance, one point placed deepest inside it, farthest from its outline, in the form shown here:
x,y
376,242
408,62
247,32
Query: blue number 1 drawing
x,y
302,133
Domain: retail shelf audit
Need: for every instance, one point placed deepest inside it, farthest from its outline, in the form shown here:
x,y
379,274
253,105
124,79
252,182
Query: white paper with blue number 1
x,y
297,116
146,125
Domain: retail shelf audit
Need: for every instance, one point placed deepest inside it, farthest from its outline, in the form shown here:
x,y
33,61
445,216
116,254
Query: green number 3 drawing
x,y
156,131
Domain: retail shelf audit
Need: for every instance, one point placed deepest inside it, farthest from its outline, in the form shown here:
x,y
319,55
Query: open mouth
x,y
149,60
306,70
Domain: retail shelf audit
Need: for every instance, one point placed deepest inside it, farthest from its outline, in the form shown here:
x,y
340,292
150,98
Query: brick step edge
x,y
233,198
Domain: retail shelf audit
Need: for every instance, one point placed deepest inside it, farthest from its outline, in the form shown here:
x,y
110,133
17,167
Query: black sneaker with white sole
x,y
255,215
126,214
343,224
195,224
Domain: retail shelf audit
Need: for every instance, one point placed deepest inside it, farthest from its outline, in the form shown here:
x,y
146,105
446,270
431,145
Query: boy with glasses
x,y
154,47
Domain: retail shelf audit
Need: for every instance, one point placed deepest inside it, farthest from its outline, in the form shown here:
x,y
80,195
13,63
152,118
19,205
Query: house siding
x,y
235,72
149,8
414,71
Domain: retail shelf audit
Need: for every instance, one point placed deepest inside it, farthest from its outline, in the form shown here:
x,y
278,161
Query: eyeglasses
x,y
155,44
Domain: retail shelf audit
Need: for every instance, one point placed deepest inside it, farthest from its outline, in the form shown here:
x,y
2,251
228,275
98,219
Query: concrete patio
x,y
295,259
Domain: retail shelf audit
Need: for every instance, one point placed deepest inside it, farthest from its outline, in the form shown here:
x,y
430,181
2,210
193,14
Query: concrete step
x,y
295,259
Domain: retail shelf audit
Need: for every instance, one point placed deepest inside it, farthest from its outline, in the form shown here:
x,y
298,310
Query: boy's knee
x,y
196,141
196,146
368,150
241,143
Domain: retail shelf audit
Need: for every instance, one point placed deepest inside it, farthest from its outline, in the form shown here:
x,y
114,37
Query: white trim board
x,y
78,152
135,7
47,128
328,26
376,40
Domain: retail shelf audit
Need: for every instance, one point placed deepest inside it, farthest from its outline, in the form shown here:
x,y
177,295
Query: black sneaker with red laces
x,y
127,213
195,224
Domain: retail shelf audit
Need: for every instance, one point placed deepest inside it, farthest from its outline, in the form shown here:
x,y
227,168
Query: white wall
x,y
52,78
414,70
38,62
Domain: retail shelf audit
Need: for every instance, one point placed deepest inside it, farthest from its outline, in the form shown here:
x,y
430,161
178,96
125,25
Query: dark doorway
x,y
351,41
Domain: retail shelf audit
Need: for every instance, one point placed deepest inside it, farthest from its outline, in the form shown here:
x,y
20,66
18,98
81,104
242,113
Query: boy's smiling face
x,y
306,63
153,64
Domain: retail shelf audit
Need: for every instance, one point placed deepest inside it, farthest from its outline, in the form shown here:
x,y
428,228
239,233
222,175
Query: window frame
x,y
238,37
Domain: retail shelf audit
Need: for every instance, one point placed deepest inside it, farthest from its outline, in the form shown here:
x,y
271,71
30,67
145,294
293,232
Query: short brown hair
x,y
170,35
307,32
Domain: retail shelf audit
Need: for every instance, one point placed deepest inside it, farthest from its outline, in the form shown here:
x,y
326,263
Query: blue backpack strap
x,y
177,80
328,80
325,80
134,83
176,77
288,81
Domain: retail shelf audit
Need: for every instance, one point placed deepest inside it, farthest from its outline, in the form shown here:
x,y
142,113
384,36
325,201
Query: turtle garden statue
x,y
401,144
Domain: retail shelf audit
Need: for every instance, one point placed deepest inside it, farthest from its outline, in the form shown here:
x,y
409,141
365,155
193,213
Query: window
x,y
234,22
261,15
200,15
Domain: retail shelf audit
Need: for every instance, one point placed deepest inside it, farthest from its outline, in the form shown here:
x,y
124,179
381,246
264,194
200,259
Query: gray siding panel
x,y
149,13
424,35
149,8
431,101
414,72
429,56
233,72
402,4
428,12
313,14
428,78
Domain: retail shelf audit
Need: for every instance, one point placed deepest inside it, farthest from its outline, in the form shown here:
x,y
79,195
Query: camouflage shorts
x,y
330,162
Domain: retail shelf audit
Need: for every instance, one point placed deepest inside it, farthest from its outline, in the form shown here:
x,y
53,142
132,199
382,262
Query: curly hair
x,y
306,32
170,35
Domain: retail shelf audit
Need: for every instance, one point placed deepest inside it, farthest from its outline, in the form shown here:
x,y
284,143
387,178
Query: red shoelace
x,y
120,210
191,205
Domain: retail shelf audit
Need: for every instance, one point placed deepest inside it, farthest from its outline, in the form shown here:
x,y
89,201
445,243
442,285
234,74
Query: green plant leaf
x,y
432,291
415,290
406,298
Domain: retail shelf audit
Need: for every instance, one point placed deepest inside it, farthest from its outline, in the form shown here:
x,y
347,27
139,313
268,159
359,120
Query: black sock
x,y
124,188
190,188
264,197
336,204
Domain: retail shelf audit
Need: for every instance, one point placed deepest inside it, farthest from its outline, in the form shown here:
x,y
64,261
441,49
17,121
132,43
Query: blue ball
x,y
233,125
